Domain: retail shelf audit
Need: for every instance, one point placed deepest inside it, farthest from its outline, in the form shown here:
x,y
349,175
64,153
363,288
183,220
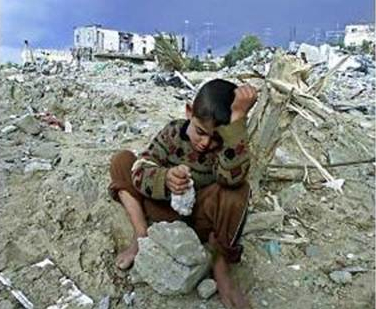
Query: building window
x,y
144,50
77,38
353,30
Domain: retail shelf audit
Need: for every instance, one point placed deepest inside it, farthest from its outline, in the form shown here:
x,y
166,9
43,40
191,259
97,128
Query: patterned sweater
x,y
228,164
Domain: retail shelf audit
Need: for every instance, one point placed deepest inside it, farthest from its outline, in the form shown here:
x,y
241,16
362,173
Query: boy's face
x,y
201,133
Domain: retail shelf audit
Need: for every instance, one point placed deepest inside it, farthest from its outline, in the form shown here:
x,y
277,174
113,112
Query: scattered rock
x,y
47,150
129,298
35,165
289,195
312,251
341,277
104,303
207,288
8,129
29,125
263,221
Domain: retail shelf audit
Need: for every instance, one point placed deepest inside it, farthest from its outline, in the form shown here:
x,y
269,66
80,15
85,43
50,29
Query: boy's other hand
x,y
245,98
178,179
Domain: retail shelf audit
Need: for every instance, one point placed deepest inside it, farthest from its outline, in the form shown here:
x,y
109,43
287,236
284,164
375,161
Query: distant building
x,y
96,38
334,37
99,39
52,55
355,35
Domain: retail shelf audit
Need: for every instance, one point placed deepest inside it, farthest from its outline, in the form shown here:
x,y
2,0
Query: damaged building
x,y
355,35
102,40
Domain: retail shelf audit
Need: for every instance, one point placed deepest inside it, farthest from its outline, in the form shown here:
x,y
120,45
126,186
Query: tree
x,y
367,47
246,47
168,54
195,64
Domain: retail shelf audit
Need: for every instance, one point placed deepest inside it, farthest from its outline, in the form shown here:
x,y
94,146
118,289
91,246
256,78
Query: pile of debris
x,y
305,245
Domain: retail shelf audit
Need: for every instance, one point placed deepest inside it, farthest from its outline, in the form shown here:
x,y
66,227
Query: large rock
x,y
29,125
46,150
172,259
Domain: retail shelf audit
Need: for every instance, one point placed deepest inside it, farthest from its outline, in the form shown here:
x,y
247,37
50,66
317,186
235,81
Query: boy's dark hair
x,y
213,101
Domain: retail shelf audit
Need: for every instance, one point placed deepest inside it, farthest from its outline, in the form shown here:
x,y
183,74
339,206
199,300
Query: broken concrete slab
x,y
29,125
180,241
36,165
46,150
263,221
162,263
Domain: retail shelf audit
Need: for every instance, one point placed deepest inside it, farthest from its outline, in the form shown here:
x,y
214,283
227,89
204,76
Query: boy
x,y
211,148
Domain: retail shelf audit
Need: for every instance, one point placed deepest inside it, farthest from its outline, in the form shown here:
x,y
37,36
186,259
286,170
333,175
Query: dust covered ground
x,y
54,202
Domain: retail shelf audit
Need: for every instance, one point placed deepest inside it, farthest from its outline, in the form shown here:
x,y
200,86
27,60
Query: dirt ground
x,y
65,213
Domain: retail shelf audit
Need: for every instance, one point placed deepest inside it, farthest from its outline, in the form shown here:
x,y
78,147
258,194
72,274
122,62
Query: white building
x,y
53,55
99,39
140,44
355,35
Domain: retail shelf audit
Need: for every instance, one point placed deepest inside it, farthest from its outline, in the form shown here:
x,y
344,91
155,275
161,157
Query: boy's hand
x,y
177,179
245,98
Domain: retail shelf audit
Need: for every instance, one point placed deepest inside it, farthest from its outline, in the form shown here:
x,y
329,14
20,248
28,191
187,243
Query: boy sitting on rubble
x,y
210,148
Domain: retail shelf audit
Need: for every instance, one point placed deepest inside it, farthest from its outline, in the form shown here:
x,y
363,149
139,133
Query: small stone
x,y
312,251
350,256
341,277
129,298
121,126
264,303
294,267
29,124
296,283
104,303
8,129
318,136
47,150
290,195
134,130
35,165
207,288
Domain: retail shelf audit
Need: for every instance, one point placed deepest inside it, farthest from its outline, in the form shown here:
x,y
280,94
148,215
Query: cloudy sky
x,y
50,23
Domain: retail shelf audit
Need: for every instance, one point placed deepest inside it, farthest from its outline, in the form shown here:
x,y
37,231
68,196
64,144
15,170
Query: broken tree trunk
x,y
284,94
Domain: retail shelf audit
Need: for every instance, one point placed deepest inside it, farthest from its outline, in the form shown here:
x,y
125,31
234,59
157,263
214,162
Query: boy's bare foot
x,y
230,294
125,259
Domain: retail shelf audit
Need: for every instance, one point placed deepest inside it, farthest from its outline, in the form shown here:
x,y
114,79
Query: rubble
x,y
65,213
35,165
341,277
289,195
29,125
171,260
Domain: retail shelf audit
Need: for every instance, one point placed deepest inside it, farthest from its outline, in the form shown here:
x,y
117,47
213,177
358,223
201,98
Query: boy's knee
x,y
122,158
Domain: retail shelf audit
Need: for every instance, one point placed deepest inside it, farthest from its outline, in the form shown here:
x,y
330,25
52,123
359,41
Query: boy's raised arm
x,y
149,171
232,162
